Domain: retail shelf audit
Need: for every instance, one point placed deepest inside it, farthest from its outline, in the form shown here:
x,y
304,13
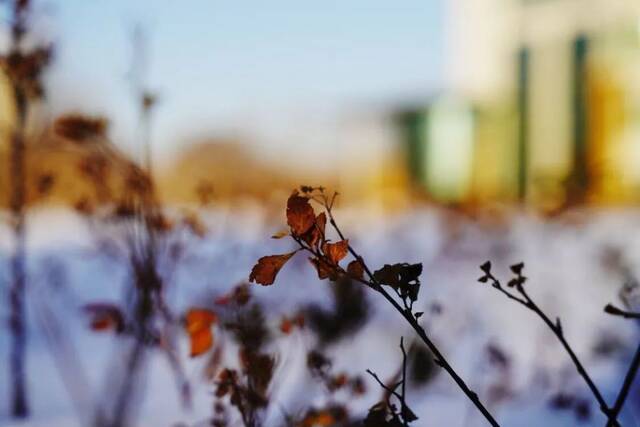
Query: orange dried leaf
x,y
201,341
198,323
322,419
355,269
300,214
198,319
336,251
267,268
286,326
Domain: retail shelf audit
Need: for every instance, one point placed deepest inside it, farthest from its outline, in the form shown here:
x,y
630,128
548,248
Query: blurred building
x,y
542,105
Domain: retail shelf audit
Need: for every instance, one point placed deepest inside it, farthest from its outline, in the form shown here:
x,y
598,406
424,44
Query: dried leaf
x,y
324,269
355,269
321,222
285,325
105,317
79,128
201,341
486,268
336,251
315,235
300,215
267,268
407,414
517,268
198,323
198,319
239,295
404,277
321,419
288,323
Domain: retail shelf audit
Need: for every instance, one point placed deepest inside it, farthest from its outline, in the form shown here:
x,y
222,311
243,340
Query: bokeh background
x,y
455,131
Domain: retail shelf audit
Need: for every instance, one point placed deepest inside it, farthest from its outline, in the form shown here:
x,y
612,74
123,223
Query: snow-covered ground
x,y
69,267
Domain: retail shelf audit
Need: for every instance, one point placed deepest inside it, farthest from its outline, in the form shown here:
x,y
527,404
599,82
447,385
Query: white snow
x,y
68,267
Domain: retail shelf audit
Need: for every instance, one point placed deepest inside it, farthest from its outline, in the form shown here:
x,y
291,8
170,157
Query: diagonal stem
x,y
438,356
626,385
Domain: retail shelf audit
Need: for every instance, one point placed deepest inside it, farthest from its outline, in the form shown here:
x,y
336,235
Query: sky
x,y
241,67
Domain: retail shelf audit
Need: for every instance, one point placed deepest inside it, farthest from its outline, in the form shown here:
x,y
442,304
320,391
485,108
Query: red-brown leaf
x,y
336,251
198,323
105,316
315,235
300,215
285,325
267,268
324,269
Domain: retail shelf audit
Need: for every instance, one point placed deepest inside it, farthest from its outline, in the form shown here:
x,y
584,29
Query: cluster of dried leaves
x,y
399,283
308,230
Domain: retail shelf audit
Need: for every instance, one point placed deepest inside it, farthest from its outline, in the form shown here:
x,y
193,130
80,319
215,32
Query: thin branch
x,y
556,327
410,318
405,415
626,385
615,311
404,380
383,385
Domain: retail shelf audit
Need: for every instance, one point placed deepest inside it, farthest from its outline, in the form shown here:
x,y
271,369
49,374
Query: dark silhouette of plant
x,y
632,372
24,68
615,311
516,291
385,413
399,284
145,316
348,314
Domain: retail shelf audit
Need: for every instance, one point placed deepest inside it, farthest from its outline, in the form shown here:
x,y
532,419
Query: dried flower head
x,y
80,129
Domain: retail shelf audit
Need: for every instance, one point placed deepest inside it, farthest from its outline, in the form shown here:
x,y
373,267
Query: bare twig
x,y
615,311
626,386
633,367
406,415
526,301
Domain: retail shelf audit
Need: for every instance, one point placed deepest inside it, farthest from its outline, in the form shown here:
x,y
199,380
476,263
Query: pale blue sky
x,y
215,63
